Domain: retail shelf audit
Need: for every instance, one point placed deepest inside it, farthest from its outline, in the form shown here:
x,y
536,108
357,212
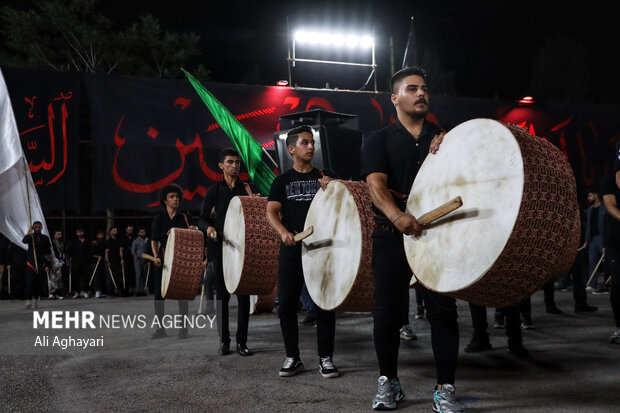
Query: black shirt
x,y
113,246
218,196
162,224
80,252
42,246
295,191
612,233
394,152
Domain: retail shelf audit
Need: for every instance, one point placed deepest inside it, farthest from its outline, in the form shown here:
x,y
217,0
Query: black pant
x,y
613,258
290,281
35,283
392,276
513,323
159,300
223,298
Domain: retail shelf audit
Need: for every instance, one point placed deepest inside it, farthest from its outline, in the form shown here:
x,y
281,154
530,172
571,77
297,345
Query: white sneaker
x,y
615,337
406,333
98,294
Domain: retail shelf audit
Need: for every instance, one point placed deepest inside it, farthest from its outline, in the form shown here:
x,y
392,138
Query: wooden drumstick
x,y
595,269
9,280
440,211
149,257
304,234
94,271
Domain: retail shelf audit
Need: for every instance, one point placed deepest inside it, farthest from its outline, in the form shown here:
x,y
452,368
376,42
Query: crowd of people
x,y
391,159
57,268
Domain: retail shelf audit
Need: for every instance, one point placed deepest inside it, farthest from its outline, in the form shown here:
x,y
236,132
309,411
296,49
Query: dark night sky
x,y
490,46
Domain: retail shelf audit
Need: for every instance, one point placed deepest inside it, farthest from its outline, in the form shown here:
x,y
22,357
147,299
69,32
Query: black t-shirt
x,y
80,252
394,152
42,247
594,221
162,224
295,191
612,234
113,245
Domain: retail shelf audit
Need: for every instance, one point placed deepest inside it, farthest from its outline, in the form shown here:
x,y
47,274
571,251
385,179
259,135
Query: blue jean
x,y
595,250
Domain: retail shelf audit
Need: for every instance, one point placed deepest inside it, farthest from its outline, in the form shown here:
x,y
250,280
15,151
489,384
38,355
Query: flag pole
x,y
34,249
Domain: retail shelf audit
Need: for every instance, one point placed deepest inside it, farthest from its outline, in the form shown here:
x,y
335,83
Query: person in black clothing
x,y
38,258
289,199
170,197
127,260
79,256
611,197
480,340
217,198
100,273
391,159
113,263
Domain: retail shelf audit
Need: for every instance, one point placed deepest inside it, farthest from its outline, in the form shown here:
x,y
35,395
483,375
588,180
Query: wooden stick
x,y
69,280
9,270
149,257
581,248
270,158
123,271
148,271
112,276
94,271
304,234
595,269
440,211
202,294
47,273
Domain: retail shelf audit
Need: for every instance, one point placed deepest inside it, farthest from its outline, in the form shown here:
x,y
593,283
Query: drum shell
x,y
180,281
259,271
359,297
543,230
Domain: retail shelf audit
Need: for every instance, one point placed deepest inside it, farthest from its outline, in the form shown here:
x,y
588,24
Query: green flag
x,y
249,149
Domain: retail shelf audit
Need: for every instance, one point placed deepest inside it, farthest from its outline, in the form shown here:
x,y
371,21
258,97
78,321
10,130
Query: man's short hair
x,y
37,222
403,73
169,188
227,152
293,134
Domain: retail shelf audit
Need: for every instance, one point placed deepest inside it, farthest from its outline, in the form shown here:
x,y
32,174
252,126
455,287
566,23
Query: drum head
x,y
168,263
331,255
233,244
480,161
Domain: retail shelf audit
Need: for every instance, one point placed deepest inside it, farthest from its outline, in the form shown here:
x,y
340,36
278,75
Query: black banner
x,y
46,107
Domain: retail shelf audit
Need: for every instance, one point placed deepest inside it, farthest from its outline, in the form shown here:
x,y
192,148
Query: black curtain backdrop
x,y
146,132
46,107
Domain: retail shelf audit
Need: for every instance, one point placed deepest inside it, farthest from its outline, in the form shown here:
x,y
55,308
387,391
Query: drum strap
x,y
186,220
398,195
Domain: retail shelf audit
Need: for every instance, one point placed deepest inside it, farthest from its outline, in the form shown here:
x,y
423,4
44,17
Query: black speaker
x,y
338,141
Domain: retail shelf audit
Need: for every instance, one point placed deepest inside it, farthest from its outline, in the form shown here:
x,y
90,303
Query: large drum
x,y
249,247
336,258
516,228
182,264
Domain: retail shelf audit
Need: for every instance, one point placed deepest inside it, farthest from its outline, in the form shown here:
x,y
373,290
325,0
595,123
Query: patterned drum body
x,y
249,248
337,257
516,228
182,264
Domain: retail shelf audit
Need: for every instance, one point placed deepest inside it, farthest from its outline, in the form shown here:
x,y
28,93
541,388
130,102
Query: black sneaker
x,y
476,346
327,368
291,367
585,308
518,350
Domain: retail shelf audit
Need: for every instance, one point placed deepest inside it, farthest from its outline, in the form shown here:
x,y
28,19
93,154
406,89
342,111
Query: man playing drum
x,y
289,200
170,197
218,197
391,159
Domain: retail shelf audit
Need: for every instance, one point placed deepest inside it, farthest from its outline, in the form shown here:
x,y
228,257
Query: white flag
x,y
19,202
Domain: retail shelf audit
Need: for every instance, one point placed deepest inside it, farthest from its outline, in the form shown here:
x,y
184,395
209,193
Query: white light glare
x,y
338,39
